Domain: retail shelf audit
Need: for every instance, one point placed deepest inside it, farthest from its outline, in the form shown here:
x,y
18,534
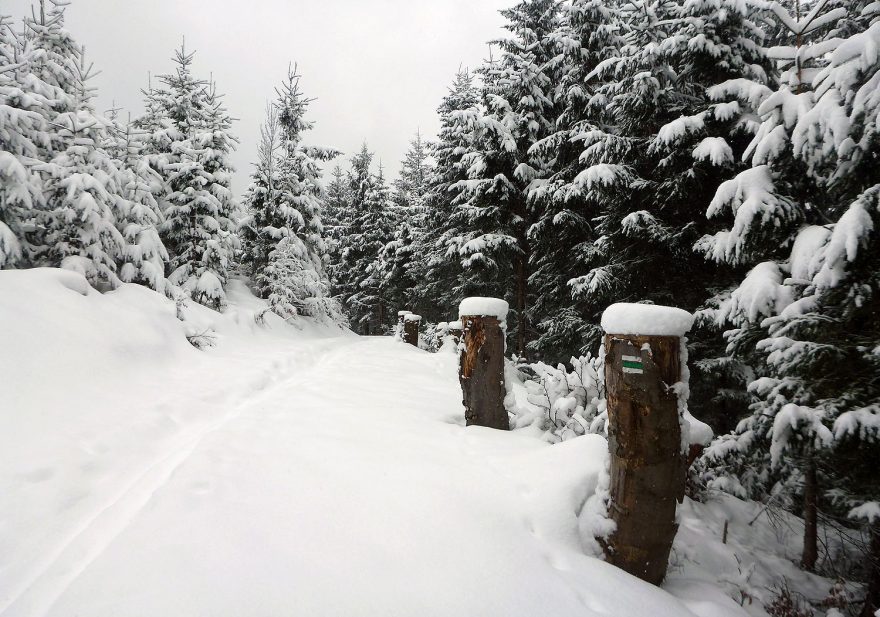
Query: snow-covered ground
x,y
299,471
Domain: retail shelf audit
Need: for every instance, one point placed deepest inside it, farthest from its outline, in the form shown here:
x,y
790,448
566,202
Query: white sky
x,y
378,68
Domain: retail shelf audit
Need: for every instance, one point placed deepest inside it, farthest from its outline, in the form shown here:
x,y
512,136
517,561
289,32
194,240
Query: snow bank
x,y
102,394
487,307
648,319
761,554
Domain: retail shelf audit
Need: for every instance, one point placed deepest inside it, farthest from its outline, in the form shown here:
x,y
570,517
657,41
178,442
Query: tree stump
x,y
398,335
647,462
481,372
411,328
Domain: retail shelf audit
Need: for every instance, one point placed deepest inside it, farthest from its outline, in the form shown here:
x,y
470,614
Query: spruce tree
x,y
139,217
519,111
263,197
29,135
19,188
440,286
188,144
288,251
370,228
805,225
22,121
335,219
412,183
80,221
402,266
563,234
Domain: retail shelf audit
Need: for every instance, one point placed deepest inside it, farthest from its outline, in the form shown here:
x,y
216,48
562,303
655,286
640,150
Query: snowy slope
x,y
283,471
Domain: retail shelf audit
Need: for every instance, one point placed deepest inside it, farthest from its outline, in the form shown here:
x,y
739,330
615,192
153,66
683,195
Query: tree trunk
x,y
522,281
647,463
481,372
521,276
811,515
872,598
381,314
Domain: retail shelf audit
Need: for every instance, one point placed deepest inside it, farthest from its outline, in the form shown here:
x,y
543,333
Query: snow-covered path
x,y
296,475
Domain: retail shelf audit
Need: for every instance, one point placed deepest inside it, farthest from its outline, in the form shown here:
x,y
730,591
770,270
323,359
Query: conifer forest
x,y
207,400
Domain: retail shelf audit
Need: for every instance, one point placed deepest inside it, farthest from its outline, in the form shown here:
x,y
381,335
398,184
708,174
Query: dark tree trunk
x,y
872,597
521,278
647,464
522,281
811,516
481,372
411,330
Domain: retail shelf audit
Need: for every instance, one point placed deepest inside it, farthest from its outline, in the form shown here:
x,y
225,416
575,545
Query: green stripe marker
x,y
633,364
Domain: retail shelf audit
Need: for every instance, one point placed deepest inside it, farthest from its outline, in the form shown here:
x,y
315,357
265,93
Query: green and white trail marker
x,y
633,364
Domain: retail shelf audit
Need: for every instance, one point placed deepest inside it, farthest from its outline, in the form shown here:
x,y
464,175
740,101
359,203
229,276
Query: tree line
x,y
148,200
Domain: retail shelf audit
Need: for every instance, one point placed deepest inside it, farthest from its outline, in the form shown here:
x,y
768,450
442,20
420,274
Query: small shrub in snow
x,y
260,317
572,402
436,338
838,599
202,340
787,603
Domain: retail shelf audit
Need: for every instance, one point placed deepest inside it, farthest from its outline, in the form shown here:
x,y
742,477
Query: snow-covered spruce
x,y
188,143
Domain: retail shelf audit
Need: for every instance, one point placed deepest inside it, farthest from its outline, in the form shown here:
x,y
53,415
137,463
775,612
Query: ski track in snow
x,y
89,540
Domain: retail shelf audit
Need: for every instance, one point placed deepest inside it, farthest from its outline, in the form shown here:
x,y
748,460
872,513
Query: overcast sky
x,y
378,68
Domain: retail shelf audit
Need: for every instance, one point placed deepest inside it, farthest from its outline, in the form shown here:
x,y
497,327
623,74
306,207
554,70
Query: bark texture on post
x,y
647,464
481,372
411,329
401,315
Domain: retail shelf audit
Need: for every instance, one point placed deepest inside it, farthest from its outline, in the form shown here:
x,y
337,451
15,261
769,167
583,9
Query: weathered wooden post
x,y
481,361
645,386
411,324
398,334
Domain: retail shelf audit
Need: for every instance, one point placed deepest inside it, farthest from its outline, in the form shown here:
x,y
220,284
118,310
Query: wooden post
x,y
481,362
411,328
648,461
398,335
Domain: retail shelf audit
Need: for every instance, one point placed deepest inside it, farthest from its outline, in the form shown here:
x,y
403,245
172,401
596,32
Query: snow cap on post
x,y
646,319
402,313
412,317
483,307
